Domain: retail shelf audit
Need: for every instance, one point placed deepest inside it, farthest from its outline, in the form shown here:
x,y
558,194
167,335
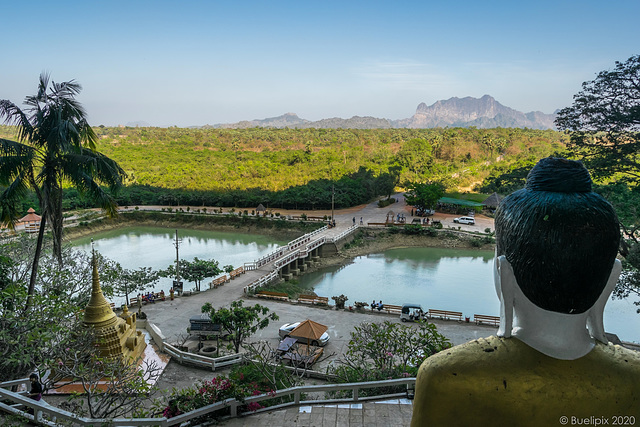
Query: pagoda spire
x,y
98,311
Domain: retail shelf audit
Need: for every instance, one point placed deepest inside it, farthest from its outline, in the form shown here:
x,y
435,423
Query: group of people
x,y
416,314
151,297
375,305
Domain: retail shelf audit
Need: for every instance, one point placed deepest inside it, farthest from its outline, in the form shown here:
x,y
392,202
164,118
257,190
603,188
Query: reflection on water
x,y
446,279
135,247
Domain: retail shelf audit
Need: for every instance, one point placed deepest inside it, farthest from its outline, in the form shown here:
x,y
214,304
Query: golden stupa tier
x,y
115,336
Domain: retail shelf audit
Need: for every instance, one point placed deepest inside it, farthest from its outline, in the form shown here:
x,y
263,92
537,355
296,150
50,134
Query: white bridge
x,y
289,260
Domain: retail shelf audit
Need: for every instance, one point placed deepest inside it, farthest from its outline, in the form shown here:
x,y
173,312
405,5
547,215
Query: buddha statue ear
x,y
595,322
504,281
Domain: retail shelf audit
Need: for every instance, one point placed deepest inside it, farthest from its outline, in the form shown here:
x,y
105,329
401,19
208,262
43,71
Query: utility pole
x,y
333,195
177,284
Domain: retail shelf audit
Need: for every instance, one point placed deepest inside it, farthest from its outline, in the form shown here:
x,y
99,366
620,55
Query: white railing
x,y
49,415
262,281
304,239
213,363
316,243
277,253
345,233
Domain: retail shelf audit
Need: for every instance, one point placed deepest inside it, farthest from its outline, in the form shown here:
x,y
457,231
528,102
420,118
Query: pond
x,y
445,279
438,278
135,247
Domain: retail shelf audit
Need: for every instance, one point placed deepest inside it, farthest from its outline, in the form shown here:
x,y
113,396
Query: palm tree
x,y
56,147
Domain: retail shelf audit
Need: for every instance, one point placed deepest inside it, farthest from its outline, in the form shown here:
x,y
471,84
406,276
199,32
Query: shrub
x,y
380,351
208,392
340,300
386,202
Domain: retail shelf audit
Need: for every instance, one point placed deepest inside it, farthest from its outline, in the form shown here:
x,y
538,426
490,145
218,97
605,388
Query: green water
x,y
445,279
154,247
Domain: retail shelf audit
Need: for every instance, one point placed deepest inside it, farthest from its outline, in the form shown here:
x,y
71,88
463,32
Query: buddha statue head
x,y
556,264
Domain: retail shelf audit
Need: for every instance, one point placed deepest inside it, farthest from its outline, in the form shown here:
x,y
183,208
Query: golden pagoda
x,y
115,336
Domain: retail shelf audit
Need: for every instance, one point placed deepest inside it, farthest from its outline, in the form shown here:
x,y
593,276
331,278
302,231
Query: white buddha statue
x,y
555,269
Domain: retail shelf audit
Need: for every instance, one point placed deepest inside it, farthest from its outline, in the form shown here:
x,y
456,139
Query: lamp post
x,y
177,284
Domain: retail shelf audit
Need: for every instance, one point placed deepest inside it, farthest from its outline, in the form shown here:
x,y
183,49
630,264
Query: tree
x,y
126,281
416,156
240,322
36,340
112,387
626,202
56,147
604,121
380,351
195,271
424,196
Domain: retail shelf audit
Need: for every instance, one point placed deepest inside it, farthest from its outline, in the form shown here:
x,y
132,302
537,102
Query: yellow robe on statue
x,y
497,381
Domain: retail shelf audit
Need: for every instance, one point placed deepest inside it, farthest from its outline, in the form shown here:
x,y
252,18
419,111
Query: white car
x,y
285,331
465,220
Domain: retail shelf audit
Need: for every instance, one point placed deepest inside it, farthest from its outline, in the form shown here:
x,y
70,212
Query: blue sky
x,y
205,62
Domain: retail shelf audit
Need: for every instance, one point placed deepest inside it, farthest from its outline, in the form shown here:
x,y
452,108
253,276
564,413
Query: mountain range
x,y
483,112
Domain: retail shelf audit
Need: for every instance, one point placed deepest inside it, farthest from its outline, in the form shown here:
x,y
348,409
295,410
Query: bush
x,y
386,202
340,301
380,351
208,392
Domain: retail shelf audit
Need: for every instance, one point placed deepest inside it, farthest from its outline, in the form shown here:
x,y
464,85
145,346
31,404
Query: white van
x,y
465,220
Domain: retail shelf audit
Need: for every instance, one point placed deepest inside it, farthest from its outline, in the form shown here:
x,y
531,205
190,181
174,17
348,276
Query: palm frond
x,y
10,198
15,158
13,115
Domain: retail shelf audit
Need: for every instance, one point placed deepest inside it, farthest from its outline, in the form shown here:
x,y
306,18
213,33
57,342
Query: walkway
x,y
388,413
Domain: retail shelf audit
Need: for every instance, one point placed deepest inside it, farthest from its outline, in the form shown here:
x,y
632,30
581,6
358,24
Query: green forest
x,y
300,168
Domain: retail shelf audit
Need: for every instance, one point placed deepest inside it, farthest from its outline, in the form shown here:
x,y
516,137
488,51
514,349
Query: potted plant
x,y
340,300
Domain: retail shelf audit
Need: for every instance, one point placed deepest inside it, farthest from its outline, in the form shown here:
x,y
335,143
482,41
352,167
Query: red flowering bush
x,y
208,392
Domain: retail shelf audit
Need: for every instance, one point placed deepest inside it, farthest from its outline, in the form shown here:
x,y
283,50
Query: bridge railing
x,y
262,281
345,233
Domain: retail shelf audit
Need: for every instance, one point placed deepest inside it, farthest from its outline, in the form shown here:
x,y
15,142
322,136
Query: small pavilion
x,y
31,221
492,201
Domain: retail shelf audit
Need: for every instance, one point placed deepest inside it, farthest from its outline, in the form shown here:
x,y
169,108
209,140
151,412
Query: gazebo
x,y
492,201
310,330
31,221
260,208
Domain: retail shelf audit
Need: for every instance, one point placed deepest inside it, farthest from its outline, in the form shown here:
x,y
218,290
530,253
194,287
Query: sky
x,y
191,63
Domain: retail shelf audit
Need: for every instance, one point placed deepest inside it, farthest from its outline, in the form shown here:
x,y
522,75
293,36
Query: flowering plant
x,y
208,392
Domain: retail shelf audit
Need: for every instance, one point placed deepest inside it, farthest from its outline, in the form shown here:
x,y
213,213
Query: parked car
x,y
465,220
285,331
